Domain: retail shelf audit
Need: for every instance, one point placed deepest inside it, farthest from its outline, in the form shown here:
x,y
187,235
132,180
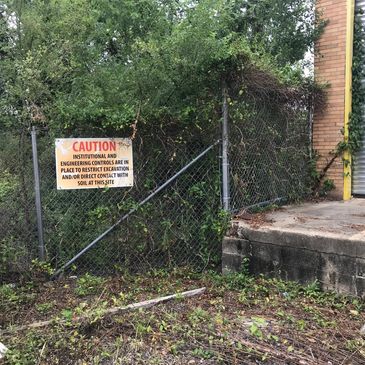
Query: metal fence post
x,y
225,161
37,190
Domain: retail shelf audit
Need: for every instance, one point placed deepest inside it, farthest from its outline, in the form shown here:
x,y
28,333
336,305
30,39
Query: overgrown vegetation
x,y
356,123
239,319
154,71
85,66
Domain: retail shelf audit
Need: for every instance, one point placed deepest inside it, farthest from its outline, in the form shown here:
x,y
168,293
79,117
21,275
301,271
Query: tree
x,y
89,64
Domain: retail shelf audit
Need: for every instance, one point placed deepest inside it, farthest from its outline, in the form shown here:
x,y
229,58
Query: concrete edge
x,y
324,242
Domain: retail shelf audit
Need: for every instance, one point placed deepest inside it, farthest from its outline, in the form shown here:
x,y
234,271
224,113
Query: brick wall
x,y
329,66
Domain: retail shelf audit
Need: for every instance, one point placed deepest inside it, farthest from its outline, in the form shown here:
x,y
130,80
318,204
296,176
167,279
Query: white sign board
x,y
89,163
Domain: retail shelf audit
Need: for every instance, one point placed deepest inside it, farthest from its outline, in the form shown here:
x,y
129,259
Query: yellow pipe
x,y
348,96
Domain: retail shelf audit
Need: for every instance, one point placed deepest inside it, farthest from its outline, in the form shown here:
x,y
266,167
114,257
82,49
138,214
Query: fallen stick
x,y
3,350
145,304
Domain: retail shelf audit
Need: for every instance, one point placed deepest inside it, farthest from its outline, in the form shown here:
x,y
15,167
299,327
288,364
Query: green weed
x,y
44,307
88,284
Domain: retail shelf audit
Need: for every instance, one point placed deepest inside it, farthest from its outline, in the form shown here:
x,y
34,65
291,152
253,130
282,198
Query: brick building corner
x,y
329,66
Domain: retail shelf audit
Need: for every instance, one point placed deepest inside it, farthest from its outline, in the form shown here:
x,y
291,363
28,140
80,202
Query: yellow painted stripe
x,y
348,96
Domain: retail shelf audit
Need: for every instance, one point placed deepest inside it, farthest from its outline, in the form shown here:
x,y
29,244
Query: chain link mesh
x,y
269,158
18,232
180,226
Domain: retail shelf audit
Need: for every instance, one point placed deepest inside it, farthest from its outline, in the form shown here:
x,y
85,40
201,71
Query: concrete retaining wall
x,y
337,264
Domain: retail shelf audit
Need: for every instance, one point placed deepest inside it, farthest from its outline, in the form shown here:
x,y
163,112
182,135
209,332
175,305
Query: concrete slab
x,y
335,218
312,241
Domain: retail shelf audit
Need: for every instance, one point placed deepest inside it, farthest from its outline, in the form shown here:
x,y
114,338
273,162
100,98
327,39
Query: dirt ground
x,y
238,320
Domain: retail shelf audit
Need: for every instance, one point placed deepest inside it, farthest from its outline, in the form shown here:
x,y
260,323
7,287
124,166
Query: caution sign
x,y
89,163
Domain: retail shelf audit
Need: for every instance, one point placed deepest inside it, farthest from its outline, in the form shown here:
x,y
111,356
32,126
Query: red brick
x,y
329,65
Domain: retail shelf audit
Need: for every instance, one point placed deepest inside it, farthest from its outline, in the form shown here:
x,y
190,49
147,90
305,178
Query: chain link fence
x,y
18,226
270,155
181,226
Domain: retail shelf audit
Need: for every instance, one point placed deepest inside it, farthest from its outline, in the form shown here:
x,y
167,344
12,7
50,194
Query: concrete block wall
x,y
338,265
329,66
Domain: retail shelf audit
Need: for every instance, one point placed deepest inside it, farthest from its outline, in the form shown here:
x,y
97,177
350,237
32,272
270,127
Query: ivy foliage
x,y
356,123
